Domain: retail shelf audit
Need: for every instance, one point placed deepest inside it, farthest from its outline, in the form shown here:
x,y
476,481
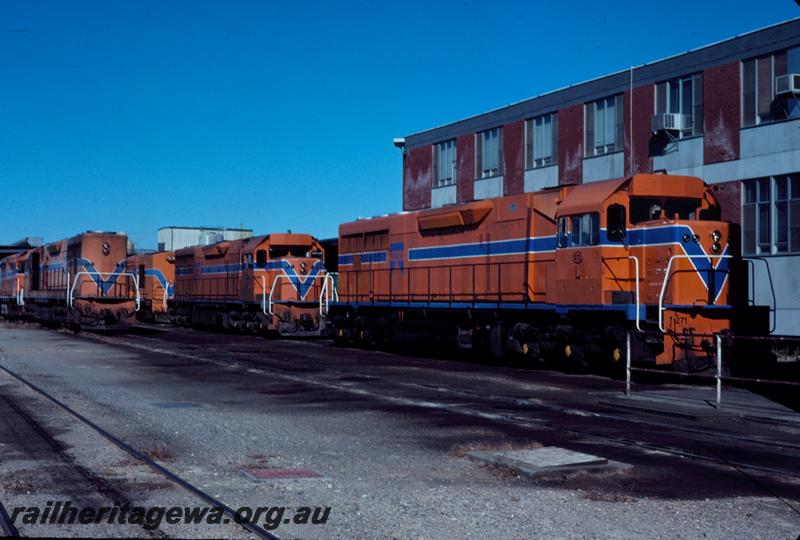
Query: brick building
x,y
728,113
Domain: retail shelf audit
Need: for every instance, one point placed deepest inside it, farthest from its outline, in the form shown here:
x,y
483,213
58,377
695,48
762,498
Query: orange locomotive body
x,y
81,282
12,285
156,275
274,283
563,273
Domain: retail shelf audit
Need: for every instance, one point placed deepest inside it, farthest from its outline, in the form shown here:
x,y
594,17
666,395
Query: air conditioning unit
x,y
787,84
670,122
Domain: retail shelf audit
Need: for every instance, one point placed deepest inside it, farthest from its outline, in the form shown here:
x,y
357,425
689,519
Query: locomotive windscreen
x,y
654,208
276,252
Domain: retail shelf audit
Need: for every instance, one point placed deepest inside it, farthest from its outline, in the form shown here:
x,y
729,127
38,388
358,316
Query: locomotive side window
x,y
615,223
579,230
563,232
261,258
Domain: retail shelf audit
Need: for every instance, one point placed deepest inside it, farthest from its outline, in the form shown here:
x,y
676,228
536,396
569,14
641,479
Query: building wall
x,y
637,132
465,156
417,178
721,103
570,145
514,157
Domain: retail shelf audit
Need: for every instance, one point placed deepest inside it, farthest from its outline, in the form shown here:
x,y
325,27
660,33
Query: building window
x,y
760,104
683,96
444,163
541,140
771,215
604,126
490,153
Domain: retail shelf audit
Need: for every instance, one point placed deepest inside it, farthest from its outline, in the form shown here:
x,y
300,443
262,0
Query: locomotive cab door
x,y
248,270
35,270
578,259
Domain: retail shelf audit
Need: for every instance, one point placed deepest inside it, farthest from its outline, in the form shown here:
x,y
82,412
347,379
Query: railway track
x,y
245,364
8,529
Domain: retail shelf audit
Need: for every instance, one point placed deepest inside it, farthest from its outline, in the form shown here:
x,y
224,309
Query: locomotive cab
x,y
650,252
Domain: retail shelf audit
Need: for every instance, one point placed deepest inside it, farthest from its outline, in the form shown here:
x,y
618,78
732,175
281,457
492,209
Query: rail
x,y
325,296
103,276
667,276
142,457
635,259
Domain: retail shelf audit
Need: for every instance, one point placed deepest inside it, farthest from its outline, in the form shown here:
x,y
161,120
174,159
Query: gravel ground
x,y
390,458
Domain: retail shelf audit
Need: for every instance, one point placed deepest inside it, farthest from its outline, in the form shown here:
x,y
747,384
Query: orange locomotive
x,y
562,274
80,282
274,283
156,275
12,283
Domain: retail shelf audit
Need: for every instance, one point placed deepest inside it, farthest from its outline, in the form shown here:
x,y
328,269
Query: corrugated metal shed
x,y
176,237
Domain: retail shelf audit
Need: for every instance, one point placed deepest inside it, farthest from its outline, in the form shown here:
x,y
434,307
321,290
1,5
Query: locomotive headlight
x,y
716,236
695,239
715,248
686,238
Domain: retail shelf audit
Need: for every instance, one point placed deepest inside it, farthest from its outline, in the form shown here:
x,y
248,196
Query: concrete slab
x,y
540,461
273,474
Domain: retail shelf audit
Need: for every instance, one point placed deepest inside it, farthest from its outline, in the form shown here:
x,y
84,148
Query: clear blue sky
x,y
138,114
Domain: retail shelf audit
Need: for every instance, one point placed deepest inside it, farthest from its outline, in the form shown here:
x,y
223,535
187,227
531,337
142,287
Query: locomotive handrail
x,y
71,290
20,296
635,259
263,295
166,295
325,293
774,307
666,280
329,293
